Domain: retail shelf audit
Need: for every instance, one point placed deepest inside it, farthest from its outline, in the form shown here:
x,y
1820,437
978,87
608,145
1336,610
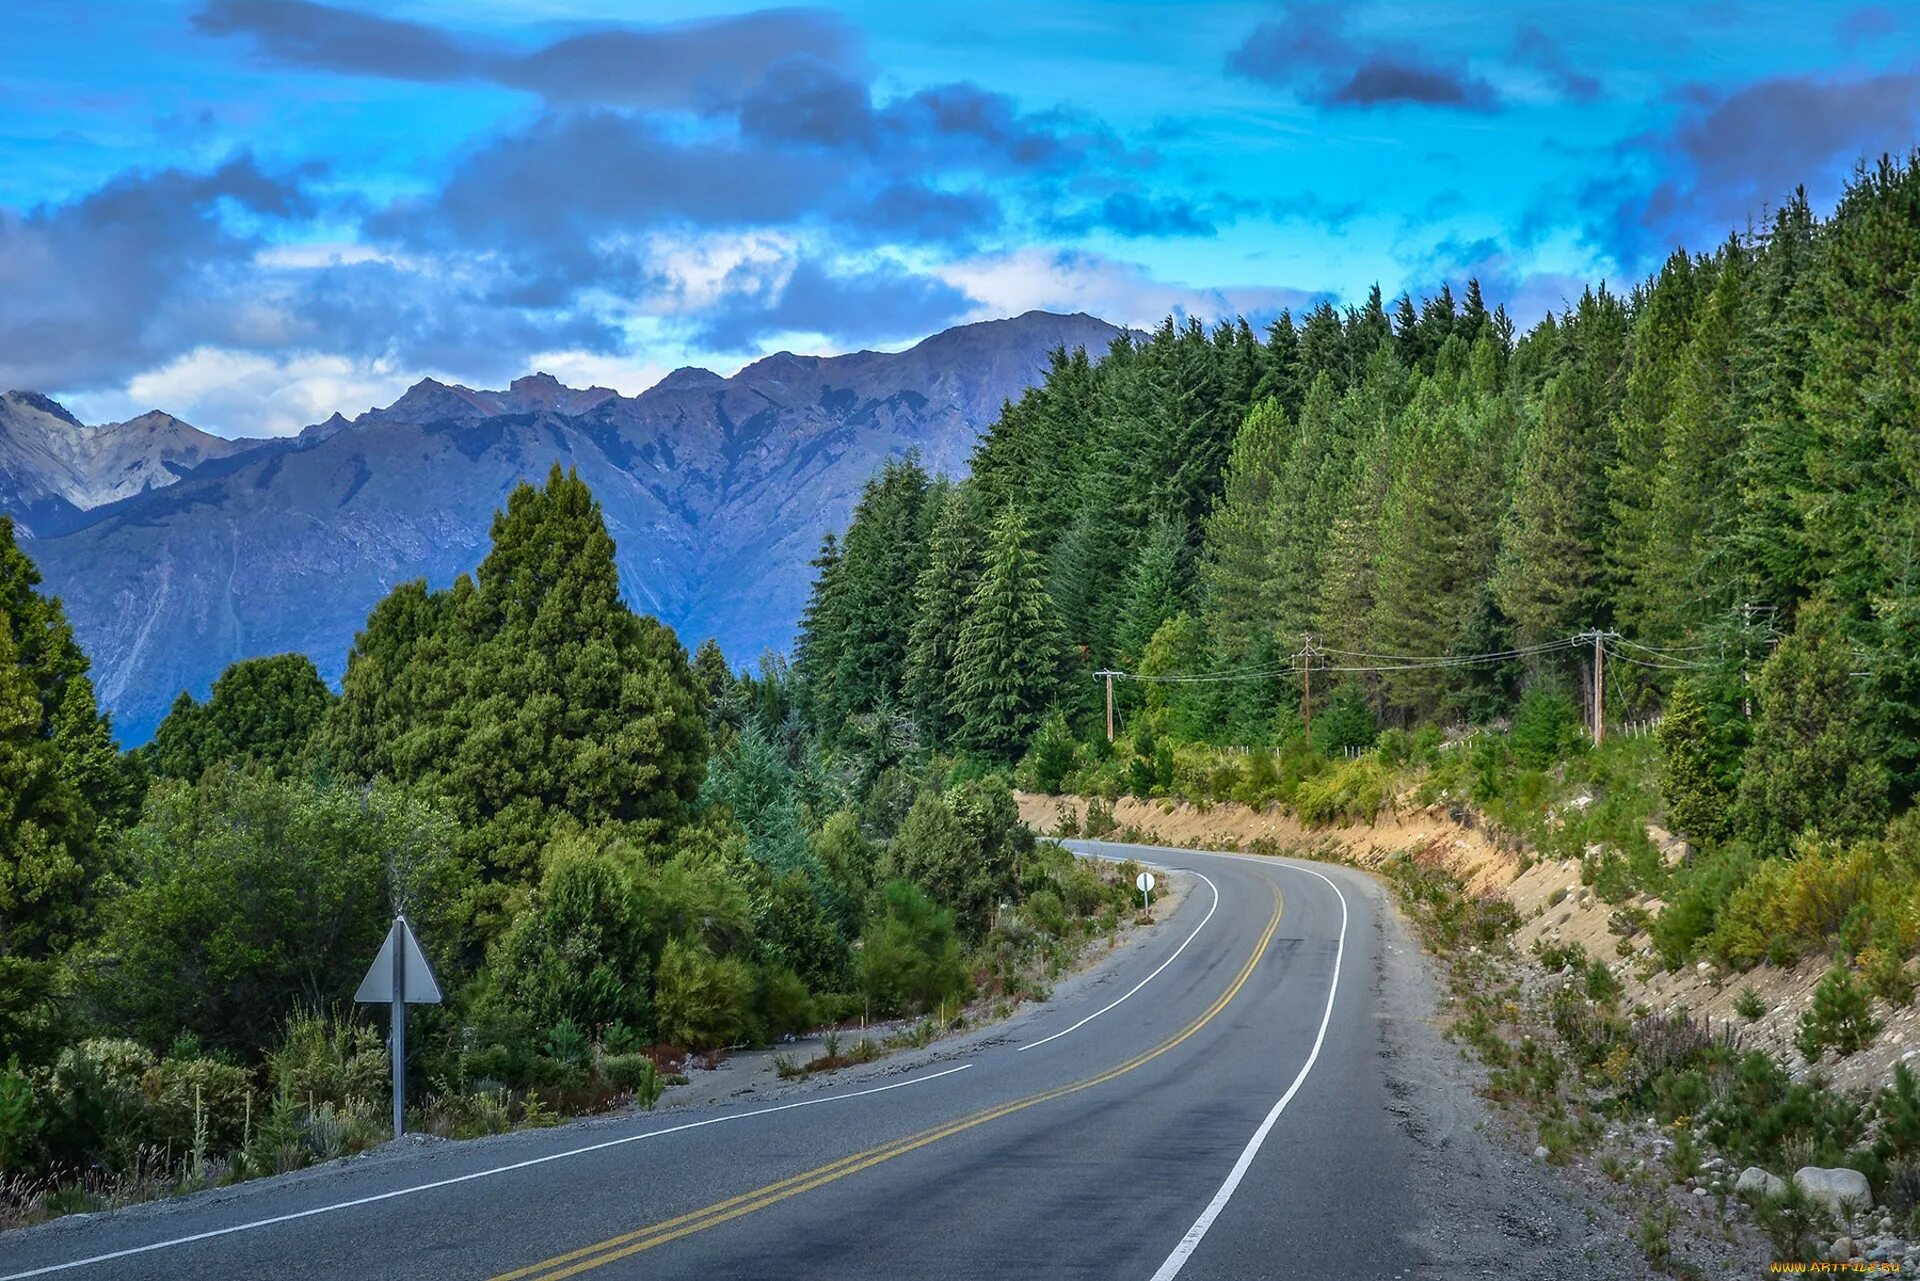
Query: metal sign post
x,y
1144,882
399,976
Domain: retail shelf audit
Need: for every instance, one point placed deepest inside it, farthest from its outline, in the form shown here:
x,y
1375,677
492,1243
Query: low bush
x,y
701,1001
1839,1020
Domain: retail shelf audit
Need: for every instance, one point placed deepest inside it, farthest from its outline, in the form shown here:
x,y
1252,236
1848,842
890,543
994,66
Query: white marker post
x,y
400,976
1145,883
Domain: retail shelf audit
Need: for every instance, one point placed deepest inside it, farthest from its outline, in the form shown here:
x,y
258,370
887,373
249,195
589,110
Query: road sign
x,y
413,975
1144,883
399,977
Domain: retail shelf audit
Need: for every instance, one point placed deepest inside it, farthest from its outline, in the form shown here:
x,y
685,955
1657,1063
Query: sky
x,y
251,213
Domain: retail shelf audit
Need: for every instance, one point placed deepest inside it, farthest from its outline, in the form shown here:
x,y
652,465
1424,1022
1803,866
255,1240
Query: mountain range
x,y
178,552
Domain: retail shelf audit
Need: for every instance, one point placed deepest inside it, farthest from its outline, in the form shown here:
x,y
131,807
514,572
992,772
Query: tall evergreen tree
x,y
939,611
1813,762
1007,664
529,695
1237,566
1155,589
260,709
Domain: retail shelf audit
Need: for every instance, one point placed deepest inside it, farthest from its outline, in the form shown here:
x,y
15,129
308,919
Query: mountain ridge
x,y
716,489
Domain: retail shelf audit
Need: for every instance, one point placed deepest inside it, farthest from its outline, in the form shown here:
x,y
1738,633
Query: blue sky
x,y
253,212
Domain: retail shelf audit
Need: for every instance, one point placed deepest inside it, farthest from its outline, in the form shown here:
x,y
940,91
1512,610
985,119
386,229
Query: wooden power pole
x,y
1599,691
1109,675
1306,664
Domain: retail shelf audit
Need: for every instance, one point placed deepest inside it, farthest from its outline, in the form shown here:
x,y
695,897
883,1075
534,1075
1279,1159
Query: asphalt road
x,y
1229,1116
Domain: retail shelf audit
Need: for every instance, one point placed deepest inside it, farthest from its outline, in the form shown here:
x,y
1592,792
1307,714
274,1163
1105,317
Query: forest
x,y
1437,526
617,856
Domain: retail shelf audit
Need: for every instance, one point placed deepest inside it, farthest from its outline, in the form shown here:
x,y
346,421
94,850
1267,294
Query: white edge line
x,y
1034,1045
1195,1234
463,1178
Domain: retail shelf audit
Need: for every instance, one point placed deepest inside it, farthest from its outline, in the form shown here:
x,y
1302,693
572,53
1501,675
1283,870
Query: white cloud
x,y
1114,290
238,393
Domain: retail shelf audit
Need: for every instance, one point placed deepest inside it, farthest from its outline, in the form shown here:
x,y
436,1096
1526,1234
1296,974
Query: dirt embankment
x,y
1468,853
1553,906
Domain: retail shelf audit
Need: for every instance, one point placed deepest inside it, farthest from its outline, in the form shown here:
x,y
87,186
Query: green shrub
x,y
328,1058
700,1000
1695,904
579,949
567,1044
1749,1005
203,1097
910,959
1790,907
98,1103
635,1073
1546,727
1839,1020
1898,1107
1045,912
1353,791
21,1119
1051,757
785,1005
1763,1117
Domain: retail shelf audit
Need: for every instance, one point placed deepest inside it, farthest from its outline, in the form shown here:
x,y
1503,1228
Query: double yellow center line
x,y
626,1244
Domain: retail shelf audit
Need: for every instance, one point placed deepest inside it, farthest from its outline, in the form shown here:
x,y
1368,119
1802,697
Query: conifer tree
x,y
1549,577
1699,806
1662,329
1237,565
1813,762
939,611
880,561
262,710
528,695
1434,552
1007,663
1155,589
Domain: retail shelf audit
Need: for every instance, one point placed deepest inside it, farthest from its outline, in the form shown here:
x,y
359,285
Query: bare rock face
x,y
54,468
716,490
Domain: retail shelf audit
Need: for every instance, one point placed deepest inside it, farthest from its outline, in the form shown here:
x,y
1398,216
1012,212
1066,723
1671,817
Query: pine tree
x,y
1662,330
1698,805
527,696
880,561
1697,574
1434,552
1549,577
1237,563
1771,543
939,611
1008,660
1813,763
1862,394
262,710
1155,589
816,650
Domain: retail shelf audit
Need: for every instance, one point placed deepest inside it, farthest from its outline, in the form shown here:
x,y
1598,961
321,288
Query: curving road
x,y
1218,1102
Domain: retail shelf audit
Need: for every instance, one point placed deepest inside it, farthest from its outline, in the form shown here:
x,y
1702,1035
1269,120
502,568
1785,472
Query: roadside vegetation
x,y
623,863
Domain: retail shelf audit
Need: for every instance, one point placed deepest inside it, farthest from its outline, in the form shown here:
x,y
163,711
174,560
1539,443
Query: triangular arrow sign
x,y
416,980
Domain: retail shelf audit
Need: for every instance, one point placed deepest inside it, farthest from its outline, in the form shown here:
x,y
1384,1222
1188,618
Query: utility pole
x,y
1599,639
1306,663
1599,691
1109,675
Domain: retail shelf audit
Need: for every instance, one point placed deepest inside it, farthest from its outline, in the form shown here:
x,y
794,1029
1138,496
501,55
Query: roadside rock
x,y
1841,1191
1755,1179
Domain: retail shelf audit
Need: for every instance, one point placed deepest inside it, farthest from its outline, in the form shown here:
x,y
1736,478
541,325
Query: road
x,y
1217,1103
